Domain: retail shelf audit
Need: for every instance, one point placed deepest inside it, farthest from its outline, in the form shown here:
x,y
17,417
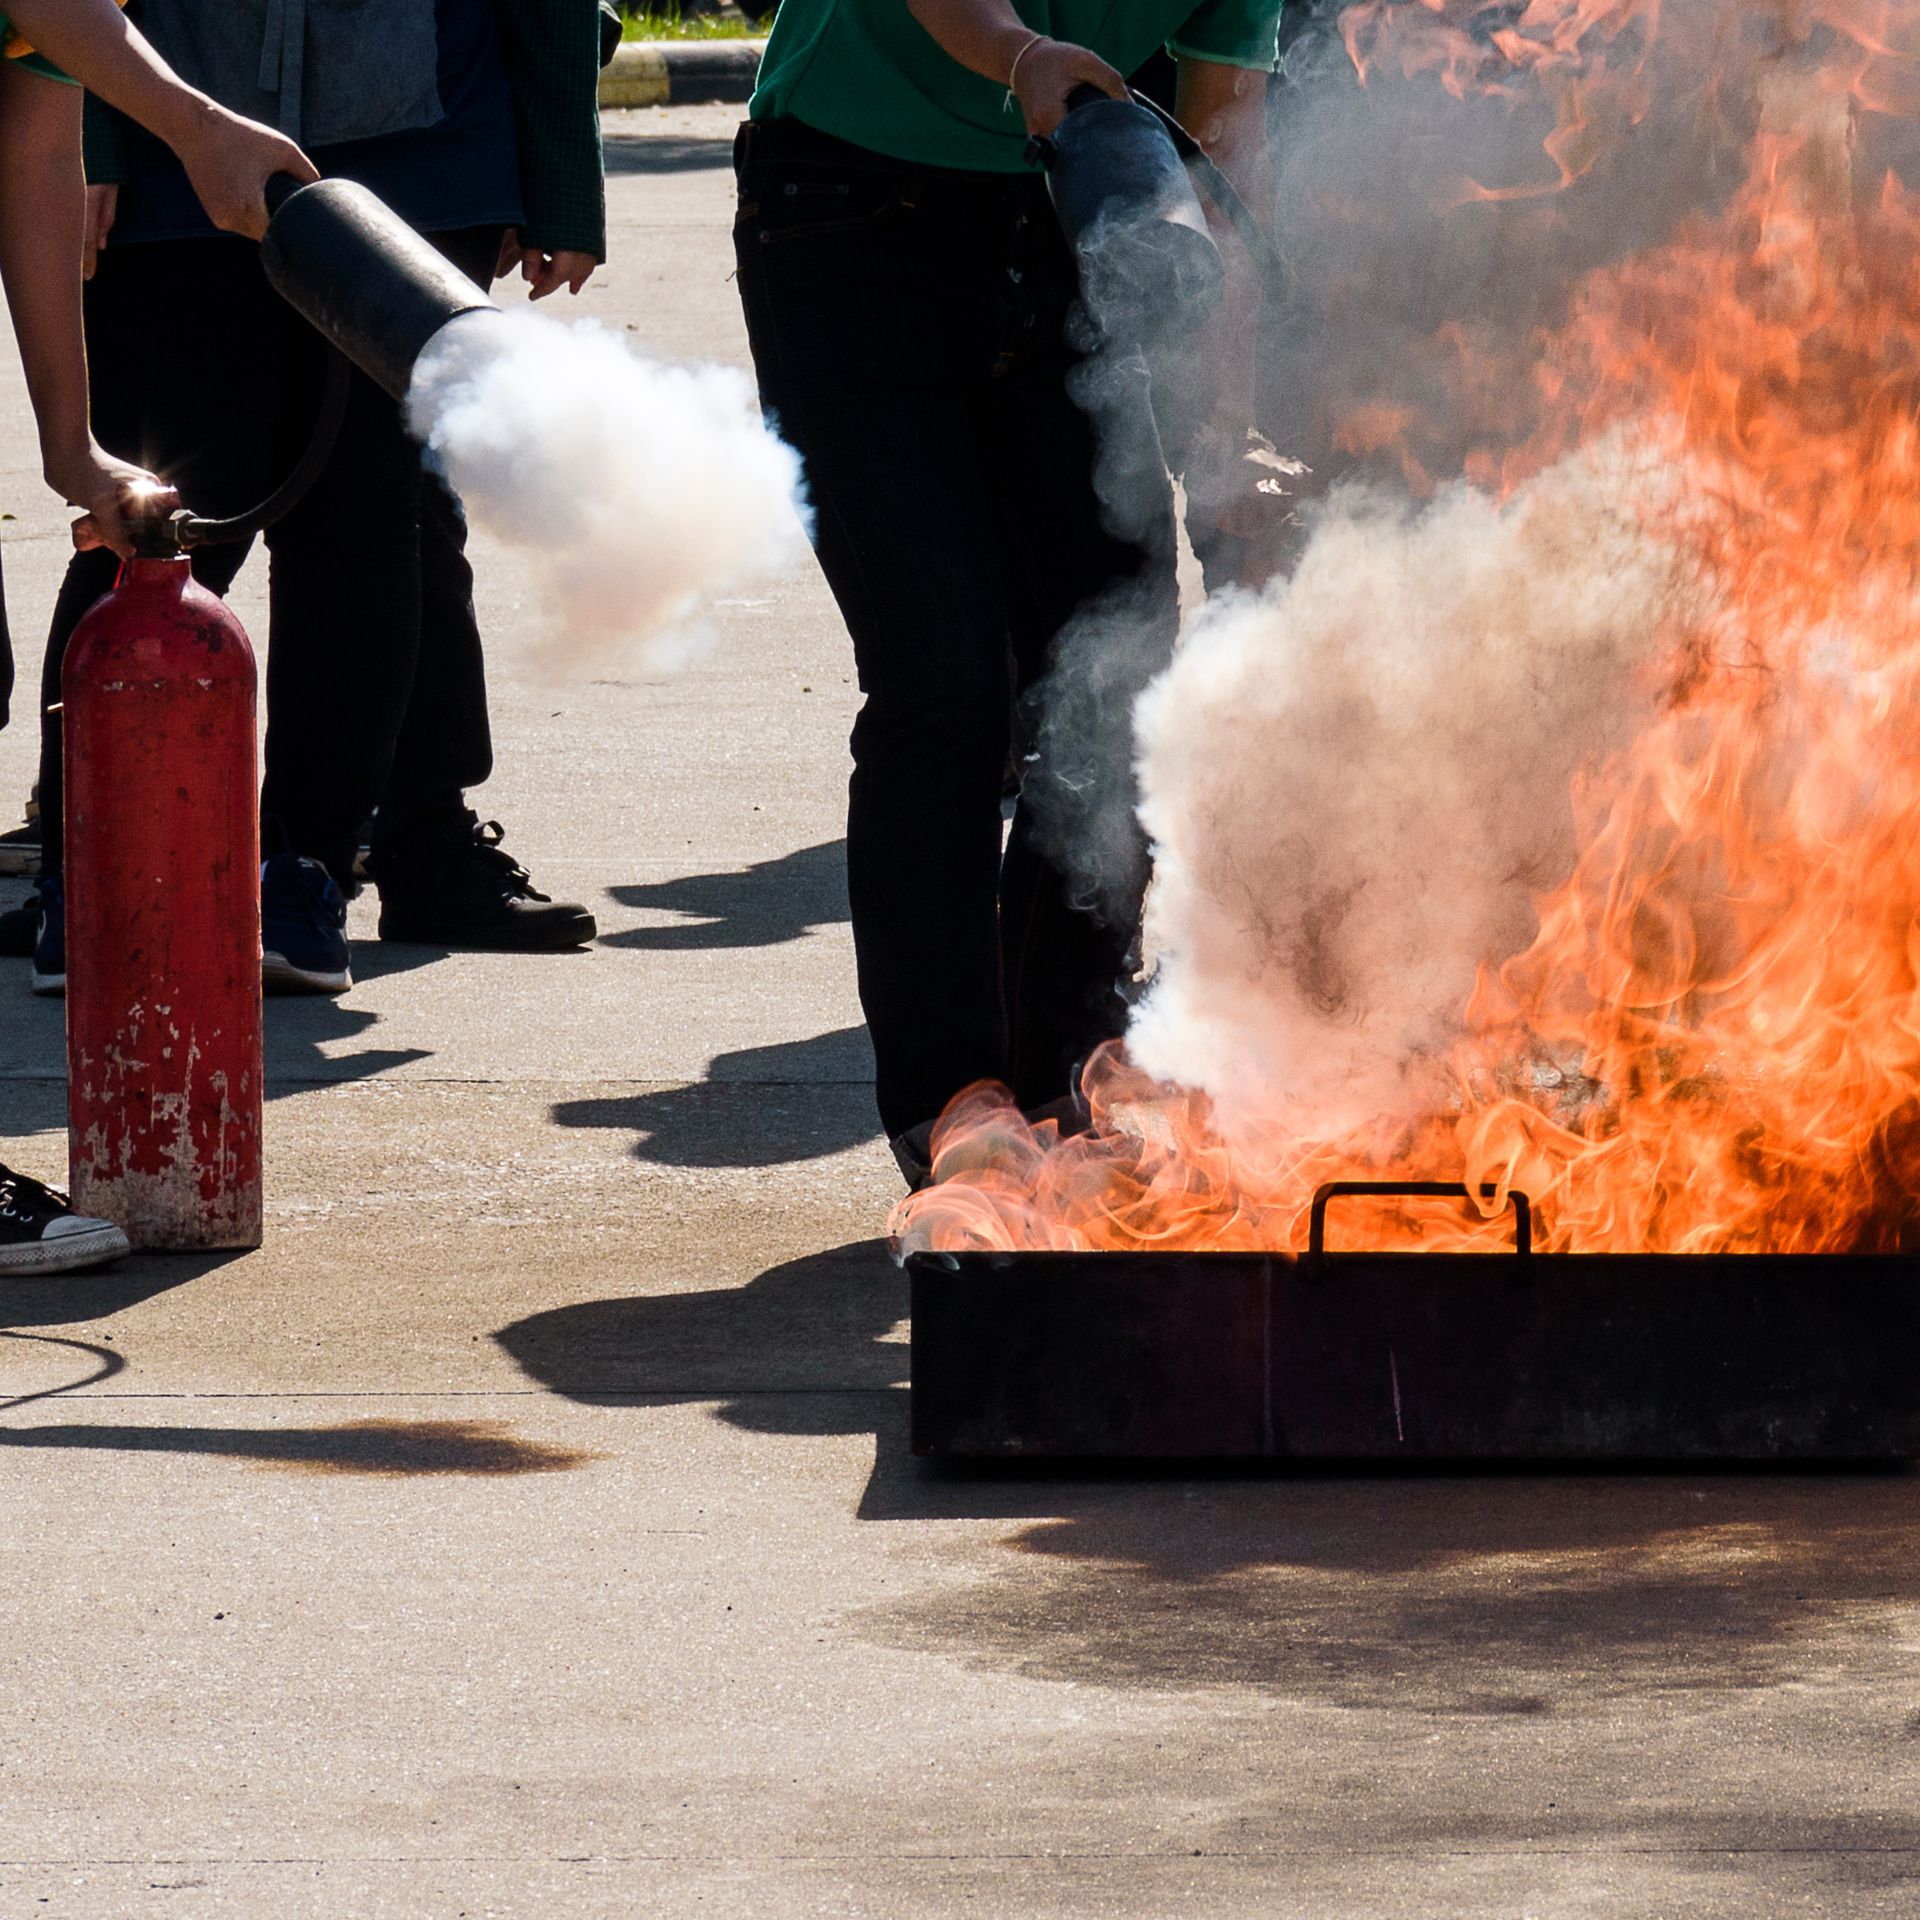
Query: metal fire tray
x,y
1415,1357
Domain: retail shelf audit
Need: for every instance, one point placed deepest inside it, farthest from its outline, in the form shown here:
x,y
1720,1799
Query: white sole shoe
x,y
279,975
69,1245
49,984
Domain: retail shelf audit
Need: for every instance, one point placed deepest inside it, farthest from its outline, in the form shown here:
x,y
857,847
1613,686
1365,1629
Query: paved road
x,y
528,1530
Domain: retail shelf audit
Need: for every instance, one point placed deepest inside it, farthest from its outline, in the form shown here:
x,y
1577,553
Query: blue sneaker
x,y
303,928
50,942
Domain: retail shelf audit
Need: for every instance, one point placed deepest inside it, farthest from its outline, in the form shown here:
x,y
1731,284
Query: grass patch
x,y
667,23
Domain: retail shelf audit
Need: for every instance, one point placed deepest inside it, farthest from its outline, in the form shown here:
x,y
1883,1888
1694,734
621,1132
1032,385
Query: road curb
x,y
678,73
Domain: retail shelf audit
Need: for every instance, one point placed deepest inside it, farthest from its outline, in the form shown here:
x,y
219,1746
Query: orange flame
x,y
1712,1042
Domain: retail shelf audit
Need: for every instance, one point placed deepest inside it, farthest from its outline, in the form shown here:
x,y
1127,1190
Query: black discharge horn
x,y
350,265
373,289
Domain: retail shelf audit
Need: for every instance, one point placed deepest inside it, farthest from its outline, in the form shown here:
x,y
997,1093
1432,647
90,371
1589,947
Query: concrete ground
x,y
529,1528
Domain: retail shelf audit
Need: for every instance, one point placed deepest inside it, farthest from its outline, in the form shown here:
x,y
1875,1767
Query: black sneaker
x,y
50,935
913,1150
19,929
446,881
303,928
40,1233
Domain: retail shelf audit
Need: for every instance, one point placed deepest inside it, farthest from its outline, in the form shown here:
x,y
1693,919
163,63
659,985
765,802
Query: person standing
x,y
907,293
42,203
477,121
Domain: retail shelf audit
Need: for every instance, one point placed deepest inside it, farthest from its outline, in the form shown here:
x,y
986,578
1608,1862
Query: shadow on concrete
x,y
1500,1595
385,1448
297,1028
801,1349
764,905
1510,1594
666,153
759,1107
73,1299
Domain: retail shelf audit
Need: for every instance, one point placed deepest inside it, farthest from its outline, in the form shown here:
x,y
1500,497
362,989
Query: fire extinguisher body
x,y
163,914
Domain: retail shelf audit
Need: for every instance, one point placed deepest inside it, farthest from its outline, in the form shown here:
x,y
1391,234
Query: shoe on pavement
x,y
303,928
913,1155
50,942
446,881
913,1150
40,1233
19,929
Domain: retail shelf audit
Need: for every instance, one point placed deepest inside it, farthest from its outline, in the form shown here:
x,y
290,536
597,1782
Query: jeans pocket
x,y
783,206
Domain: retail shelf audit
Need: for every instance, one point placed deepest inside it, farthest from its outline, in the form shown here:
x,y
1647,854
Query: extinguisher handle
x,y
281,187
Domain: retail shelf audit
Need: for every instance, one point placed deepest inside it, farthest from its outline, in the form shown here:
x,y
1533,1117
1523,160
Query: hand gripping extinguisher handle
x,y
281,187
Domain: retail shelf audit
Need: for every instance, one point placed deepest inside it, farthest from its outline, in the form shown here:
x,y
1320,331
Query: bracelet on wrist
x,y
1014,70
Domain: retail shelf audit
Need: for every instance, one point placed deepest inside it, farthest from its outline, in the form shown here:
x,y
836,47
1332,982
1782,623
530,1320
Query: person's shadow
x,y
806,1347
764,905
811,1098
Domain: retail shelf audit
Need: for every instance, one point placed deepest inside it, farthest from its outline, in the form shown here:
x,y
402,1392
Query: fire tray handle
x,y
1416,1189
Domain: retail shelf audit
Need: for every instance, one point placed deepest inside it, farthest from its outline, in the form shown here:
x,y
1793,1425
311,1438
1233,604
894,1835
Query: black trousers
x,y
375,686
908,331
6,660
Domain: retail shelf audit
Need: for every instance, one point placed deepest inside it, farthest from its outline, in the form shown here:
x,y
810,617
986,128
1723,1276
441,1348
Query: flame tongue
x,y
1694,541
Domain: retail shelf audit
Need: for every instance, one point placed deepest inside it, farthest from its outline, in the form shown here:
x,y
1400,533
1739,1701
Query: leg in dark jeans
x,y
951,479
376,692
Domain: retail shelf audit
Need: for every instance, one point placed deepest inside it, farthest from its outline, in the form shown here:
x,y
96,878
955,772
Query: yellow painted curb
x,y
636,78
663,73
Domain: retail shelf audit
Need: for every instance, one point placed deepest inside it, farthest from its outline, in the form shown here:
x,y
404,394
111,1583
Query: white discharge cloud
x,y
1358,782
639,489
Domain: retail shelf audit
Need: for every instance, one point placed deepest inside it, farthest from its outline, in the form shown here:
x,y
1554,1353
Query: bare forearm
x,y
92,40
1225,109
42,209
985,36
991,39
228,159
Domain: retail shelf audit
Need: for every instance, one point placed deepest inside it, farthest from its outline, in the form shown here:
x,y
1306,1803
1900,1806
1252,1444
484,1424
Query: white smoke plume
x,y
1357,782
640,489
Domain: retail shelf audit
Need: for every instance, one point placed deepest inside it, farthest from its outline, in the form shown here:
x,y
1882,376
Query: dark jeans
x,y
907,330
6,660
376,690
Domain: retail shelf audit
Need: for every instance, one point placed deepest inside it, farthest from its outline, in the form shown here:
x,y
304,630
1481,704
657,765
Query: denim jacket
x,y
374,66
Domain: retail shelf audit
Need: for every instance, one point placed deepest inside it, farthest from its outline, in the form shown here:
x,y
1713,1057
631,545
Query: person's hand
x,y
544,272
230,160
1049,70
103,204
114,495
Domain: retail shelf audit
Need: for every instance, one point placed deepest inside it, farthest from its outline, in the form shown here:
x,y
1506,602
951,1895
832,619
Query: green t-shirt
x,y
33,62
867,71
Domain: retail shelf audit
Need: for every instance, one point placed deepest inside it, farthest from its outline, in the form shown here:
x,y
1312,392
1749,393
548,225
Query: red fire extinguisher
x,y
163,914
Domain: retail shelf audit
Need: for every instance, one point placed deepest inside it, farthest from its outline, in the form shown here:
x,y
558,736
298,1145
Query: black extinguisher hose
x,y
187,530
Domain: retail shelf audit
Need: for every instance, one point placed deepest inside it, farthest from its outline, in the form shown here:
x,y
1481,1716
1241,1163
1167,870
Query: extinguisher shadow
x,y
81,1299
